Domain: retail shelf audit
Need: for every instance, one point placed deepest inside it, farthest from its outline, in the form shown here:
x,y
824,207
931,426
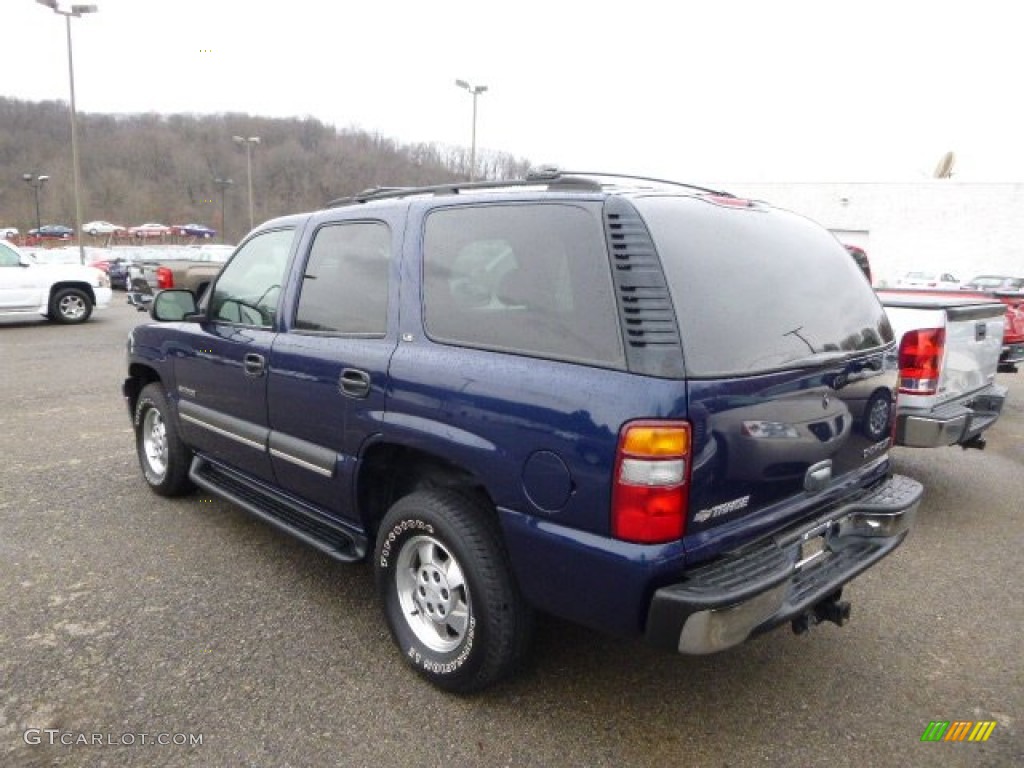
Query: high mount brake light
x,y
729,201
920,359
650,494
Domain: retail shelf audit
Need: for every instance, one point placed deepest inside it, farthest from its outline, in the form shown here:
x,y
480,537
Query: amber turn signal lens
x,y
656,441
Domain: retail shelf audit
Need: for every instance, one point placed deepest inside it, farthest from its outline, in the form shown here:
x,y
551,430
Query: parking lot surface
x,y
138,630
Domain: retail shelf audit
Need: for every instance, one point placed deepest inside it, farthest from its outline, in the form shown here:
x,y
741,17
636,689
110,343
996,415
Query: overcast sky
x,y
738,90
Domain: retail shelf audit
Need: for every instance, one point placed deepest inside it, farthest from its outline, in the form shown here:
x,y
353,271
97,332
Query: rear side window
x,y
758,289
529,279
345,285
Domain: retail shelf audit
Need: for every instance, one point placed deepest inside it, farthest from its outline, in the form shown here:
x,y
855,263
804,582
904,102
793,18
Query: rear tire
x,y
70,305
449,597
164,458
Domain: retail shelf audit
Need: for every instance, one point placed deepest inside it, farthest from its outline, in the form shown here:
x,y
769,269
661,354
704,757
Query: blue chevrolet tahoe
x,y
654,409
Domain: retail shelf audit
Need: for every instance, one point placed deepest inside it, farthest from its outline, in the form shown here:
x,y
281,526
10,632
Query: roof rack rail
x,y
450,188
554,174
556,179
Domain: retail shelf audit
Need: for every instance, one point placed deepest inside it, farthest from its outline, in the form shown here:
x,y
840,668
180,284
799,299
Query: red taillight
x,y
650,494
164,278
920,359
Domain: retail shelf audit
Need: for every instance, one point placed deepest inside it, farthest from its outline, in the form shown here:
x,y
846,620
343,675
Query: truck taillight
x,y
164,278
650,494
920,359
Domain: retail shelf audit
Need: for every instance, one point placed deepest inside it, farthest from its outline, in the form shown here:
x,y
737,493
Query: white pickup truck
x,y
948,357
65,293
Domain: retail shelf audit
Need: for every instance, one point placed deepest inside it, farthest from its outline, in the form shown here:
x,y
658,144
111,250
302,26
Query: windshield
x,y
759,289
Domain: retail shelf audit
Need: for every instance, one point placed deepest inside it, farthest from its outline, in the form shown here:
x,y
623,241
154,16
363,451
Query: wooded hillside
x,y
149,167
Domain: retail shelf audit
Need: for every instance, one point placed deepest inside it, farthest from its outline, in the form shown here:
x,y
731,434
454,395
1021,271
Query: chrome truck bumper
x,y
960,422
788,577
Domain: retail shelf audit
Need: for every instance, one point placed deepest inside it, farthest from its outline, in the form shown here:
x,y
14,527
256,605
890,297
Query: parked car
x,y
118,269
53,231
193,230
995,283
65,293
919,279
102,228
7,233
150,229
482,390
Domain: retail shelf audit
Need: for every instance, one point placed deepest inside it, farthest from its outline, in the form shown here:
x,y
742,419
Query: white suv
x,y
65,293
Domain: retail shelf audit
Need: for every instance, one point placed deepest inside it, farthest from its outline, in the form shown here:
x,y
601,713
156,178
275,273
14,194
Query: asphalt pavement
x,y
141,631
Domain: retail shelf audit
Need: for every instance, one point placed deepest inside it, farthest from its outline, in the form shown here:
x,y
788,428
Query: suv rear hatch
x,y
789,360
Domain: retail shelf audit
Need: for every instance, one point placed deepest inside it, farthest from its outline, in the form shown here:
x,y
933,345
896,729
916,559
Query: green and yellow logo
x,y
958,730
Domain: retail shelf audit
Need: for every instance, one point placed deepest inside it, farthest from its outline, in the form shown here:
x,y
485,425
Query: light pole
x,y
248,142
474,91
76,11
223,184
36,182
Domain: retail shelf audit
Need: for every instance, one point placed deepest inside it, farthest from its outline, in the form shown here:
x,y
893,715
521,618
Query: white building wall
x,y
963,228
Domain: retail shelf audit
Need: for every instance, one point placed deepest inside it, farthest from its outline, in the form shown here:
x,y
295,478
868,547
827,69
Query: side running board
x,y
300,520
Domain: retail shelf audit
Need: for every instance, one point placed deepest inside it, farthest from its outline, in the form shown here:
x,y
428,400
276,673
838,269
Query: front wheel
x,y
449,597
164,458
70,305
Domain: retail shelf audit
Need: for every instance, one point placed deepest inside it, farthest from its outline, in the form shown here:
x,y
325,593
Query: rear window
x,y
759,289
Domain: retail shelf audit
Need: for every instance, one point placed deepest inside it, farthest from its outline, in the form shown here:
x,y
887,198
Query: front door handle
x,y
254,364
354,383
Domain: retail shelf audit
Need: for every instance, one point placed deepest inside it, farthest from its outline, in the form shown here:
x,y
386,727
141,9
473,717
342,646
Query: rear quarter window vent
x,y
646,315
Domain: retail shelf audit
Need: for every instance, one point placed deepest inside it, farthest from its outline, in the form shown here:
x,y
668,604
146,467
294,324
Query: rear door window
x,y
345,284
531,279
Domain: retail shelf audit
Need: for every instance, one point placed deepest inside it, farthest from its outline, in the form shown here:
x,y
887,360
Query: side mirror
x,y
175,305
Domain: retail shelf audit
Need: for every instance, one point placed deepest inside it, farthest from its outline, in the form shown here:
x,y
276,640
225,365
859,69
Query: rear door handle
x,y
254,364
354,383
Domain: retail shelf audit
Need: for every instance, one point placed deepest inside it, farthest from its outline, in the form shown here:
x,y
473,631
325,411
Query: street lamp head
x,y
254,139
43,178
238,139
26,176
475,90
76,10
